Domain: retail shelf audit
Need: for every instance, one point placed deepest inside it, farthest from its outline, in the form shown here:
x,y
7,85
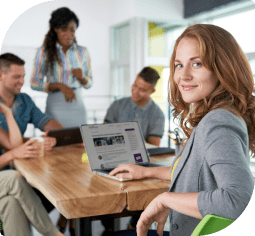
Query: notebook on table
x,y
112,144
66,136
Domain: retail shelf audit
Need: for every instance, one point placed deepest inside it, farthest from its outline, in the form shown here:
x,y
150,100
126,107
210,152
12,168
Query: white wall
x,y
121,10
160,10
163,10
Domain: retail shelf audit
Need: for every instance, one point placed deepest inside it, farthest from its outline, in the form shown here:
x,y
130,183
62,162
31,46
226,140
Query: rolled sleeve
x,y
39,71
37,117
89,83
86,70
43,122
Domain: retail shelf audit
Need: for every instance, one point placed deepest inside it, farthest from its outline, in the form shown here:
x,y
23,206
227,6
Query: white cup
x,y
41,144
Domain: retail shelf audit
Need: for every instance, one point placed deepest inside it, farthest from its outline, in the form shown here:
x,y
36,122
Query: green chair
x,y
211,224
1,228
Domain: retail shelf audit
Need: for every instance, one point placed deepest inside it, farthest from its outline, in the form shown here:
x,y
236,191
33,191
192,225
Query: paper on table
x,y
148,145
84,158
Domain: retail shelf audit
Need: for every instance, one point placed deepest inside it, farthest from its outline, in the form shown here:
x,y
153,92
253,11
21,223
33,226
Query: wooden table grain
x,y
76,192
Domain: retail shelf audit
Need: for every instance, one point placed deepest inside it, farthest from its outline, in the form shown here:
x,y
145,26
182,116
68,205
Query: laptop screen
x,y
112,144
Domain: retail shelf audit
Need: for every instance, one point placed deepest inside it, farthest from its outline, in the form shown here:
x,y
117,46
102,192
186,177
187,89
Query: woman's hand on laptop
x,y
130,171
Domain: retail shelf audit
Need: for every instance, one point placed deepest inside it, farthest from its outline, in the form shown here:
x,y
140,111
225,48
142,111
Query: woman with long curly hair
x,y
210,87
66,67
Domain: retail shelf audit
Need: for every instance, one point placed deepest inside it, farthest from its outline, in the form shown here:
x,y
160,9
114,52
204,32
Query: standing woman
x,y
66,66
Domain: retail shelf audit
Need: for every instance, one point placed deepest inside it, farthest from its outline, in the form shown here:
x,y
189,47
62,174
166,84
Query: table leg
x,y
116,224
83,226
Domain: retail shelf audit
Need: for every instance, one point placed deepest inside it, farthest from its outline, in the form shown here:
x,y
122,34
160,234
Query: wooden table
x,y
77,193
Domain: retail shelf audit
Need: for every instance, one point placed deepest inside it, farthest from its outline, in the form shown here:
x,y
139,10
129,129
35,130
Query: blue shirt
x,y
149,116
25,111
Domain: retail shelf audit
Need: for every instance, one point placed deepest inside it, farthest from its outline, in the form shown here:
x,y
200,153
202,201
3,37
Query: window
x,y
159,42
120,60
238,23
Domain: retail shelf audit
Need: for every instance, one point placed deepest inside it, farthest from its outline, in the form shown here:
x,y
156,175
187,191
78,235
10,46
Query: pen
x,y
175,141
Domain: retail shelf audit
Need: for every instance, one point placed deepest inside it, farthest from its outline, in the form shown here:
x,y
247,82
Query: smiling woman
x,y
194,80
211,87
66,35
66,67
221,59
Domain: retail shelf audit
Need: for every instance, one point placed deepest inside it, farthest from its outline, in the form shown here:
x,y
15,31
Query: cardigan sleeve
x,y
226,154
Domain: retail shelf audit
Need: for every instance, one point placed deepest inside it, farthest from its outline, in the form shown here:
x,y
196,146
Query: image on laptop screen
x,y
113,144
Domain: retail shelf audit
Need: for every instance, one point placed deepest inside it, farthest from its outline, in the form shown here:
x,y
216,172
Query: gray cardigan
x,y
215,163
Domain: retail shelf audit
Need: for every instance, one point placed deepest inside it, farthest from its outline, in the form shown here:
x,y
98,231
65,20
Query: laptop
x,y
160,150
112,144
66,136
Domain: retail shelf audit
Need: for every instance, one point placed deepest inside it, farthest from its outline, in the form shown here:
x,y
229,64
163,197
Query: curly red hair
x,y
221,54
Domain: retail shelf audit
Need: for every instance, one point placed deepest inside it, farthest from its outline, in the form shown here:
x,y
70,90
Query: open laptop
x,y
66,136
112,144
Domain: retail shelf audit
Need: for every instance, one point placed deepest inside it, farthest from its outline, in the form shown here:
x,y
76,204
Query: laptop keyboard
x,y
150,164
106,171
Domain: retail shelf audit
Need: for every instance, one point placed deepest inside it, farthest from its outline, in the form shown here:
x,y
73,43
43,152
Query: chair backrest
x,y
211,224
1,228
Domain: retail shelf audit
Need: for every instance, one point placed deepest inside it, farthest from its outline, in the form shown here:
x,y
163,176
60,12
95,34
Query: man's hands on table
x,y
28,149
49,142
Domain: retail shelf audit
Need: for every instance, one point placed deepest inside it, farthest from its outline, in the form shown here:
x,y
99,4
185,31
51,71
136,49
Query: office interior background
x,y
124,36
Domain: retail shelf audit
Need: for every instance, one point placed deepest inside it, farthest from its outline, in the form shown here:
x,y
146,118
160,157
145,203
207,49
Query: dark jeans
x,y
132,232
109,223
46,203
134,220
